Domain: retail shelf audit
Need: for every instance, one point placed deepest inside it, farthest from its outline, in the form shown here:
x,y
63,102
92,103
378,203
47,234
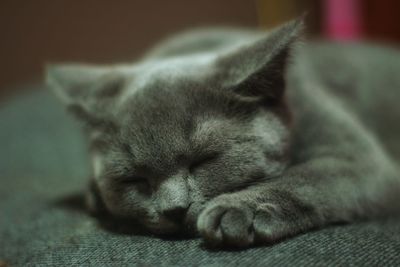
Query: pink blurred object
x,y
343,20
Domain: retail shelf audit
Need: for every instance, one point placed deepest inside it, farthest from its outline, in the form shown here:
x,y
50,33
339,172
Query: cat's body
x,y
236,145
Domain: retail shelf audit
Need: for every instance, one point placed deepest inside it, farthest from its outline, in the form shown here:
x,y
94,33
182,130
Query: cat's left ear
x,y
258,70
88,91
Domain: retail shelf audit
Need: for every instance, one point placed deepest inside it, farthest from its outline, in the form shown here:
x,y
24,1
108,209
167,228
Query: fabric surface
x,y
43,171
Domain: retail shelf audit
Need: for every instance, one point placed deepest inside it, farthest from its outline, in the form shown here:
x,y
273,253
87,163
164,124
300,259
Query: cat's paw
x,y
228,221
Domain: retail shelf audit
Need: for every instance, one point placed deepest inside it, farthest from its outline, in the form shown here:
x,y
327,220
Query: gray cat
x,y
239,136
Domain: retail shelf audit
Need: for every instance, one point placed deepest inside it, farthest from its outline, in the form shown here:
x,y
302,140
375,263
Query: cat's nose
x,y
176,214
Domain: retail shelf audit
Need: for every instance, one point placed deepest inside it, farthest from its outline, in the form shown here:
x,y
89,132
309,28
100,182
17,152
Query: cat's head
x,y
167,135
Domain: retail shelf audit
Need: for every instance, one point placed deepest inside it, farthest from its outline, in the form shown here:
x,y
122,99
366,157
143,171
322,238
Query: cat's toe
x,y
226,225
236,227
208,224
268,228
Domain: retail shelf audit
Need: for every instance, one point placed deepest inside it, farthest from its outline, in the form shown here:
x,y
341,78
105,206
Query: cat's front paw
x,y
229,221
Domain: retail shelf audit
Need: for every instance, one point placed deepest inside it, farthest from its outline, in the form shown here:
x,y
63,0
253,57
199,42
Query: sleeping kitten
x,y
238,136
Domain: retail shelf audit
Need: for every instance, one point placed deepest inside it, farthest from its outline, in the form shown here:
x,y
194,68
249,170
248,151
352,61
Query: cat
x,y
238,136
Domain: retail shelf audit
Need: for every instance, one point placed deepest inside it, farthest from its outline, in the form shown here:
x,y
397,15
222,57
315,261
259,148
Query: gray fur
x,y
215,133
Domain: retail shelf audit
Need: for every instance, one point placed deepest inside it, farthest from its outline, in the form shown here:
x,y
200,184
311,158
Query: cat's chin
x,y
163,226
187,227
181,230
172,228
162,230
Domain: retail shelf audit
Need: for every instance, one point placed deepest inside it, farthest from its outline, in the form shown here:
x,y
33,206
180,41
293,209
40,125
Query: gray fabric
x,y
43,170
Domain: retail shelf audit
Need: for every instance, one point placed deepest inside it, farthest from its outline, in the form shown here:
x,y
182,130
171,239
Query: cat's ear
x,y
258,70
87,91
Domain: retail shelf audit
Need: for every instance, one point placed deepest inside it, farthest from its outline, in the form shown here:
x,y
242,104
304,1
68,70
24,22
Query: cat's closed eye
x,y
202,160
138,183
134,180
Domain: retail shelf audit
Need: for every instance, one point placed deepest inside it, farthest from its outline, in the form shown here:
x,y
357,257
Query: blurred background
x,y
34,33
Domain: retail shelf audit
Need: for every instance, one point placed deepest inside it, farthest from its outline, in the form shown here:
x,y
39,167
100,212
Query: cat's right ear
x,y
87,91
258,69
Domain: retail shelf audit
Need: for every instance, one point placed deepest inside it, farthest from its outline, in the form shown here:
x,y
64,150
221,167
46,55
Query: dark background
x,y
37,32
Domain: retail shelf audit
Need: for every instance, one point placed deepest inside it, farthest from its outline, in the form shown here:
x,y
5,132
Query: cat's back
x,y
364,78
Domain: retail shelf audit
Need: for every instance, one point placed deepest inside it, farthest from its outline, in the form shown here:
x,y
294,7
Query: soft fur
x,y
236,136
